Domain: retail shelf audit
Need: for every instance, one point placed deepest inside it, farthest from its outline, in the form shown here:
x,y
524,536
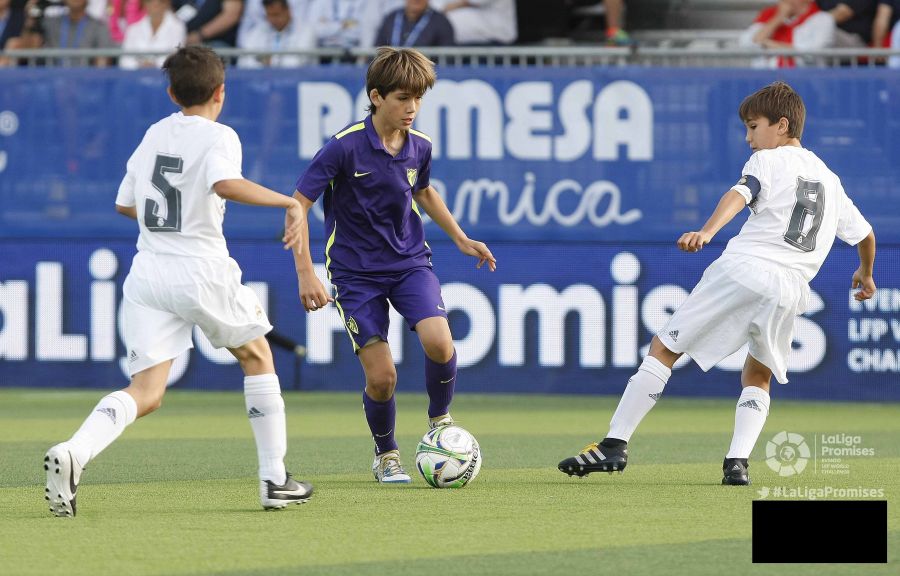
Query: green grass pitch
x,y
177,494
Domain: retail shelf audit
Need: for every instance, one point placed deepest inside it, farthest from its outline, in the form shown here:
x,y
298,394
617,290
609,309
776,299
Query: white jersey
x,y
169,180
798,206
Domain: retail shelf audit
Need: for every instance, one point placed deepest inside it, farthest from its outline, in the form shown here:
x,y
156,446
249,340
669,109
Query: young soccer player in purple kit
x,y
375,177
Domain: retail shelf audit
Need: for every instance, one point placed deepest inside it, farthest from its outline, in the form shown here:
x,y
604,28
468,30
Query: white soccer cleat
x,y
274,497
63,474
387,469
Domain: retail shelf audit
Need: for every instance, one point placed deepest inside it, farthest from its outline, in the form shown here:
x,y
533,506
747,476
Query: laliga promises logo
x,y
787,453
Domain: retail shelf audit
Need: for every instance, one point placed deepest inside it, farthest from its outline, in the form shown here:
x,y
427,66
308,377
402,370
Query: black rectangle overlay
x,y
833,531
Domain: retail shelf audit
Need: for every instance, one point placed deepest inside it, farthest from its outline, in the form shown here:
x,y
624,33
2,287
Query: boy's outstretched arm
x,y
862,278
430,201
730,204
130,211
249,192
312,293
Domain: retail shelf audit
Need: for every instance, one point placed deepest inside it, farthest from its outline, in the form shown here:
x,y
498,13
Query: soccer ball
x,y
448,457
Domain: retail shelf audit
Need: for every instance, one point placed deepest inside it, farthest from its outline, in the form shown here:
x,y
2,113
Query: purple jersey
x,y
372,222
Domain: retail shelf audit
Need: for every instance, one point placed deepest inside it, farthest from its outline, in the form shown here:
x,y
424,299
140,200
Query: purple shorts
x,y
363,302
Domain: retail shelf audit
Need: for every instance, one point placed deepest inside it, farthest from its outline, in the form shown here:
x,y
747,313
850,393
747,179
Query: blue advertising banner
x,y
597,154
579,179
558,319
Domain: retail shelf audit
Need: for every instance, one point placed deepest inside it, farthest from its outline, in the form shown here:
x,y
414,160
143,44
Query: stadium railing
x,y
517,56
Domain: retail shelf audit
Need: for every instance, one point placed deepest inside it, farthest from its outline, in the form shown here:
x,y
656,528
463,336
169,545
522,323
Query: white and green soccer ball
x,y
448,457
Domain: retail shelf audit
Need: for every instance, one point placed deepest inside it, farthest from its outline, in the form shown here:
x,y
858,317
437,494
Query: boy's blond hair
x,y
194,74
399,69
774,102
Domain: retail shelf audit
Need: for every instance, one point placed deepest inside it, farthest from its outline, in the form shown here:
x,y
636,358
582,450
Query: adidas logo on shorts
x,y
674,335
132,357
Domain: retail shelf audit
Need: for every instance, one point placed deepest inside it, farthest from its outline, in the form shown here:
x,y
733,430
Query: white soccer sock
x,y
641,394
265,409
749,418
105,423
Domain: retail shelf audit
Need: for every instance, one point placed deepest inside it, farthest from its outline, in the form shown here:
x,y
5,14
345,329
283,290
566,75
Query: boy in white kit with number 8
x,y
753,292
176,185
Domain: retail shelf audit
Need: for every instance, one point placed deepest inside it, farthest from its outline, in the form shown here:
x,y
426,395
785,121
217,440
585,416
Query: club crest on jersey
x,y
351,325
411,175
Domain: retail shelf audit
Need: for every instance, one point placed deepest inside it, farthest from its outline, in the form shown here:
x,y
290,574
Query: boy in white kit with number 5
x,y
753,292
176,185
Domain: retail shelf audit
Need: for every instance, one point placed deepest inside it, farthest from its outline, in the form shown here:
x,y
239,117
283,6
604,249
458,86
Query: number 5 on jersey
x,y
159,218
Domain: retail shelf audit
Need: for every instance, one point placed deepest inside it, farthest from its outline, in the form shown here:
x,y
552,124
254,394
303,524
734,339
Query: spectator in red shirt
x,y
790,24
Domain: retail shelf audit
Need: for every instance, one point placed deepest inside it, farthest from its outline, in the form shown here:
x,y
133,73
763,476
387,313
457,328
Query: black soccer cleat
x,y
274,497
596,458
735,472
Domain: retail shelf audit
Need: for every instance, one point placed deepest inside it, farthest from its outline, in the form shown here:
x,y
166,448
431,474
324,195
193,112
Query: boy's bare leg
x,y
659,351
756,374
378,365
148,387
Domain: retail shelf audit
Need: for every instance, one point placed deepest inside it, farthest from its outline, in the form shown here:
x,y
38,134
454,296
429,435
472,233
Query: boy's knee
x,y
153,405
380,387
662,353
440,352
757,378
254,357
147,401
247,354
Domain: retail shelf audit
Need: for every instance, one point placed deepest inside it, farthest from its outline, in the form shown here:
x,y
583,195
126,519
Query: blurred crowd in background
x,y
291,25
279,27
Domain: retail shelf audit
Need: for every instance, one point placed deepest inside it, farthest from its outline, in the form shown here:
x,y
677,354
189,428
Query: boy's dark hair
x,y
776,101
399,69
194,74
267,3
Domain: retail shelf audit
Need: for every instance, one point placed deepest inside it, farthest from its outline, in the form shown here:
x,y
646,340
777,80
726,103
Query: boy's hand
x,y
312,293
480,251
865,283
293,226
694,241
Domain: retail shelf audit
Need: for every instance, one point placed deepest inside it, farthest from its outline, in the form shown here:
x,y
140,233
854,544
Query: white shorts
x,y
739,300
166,296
